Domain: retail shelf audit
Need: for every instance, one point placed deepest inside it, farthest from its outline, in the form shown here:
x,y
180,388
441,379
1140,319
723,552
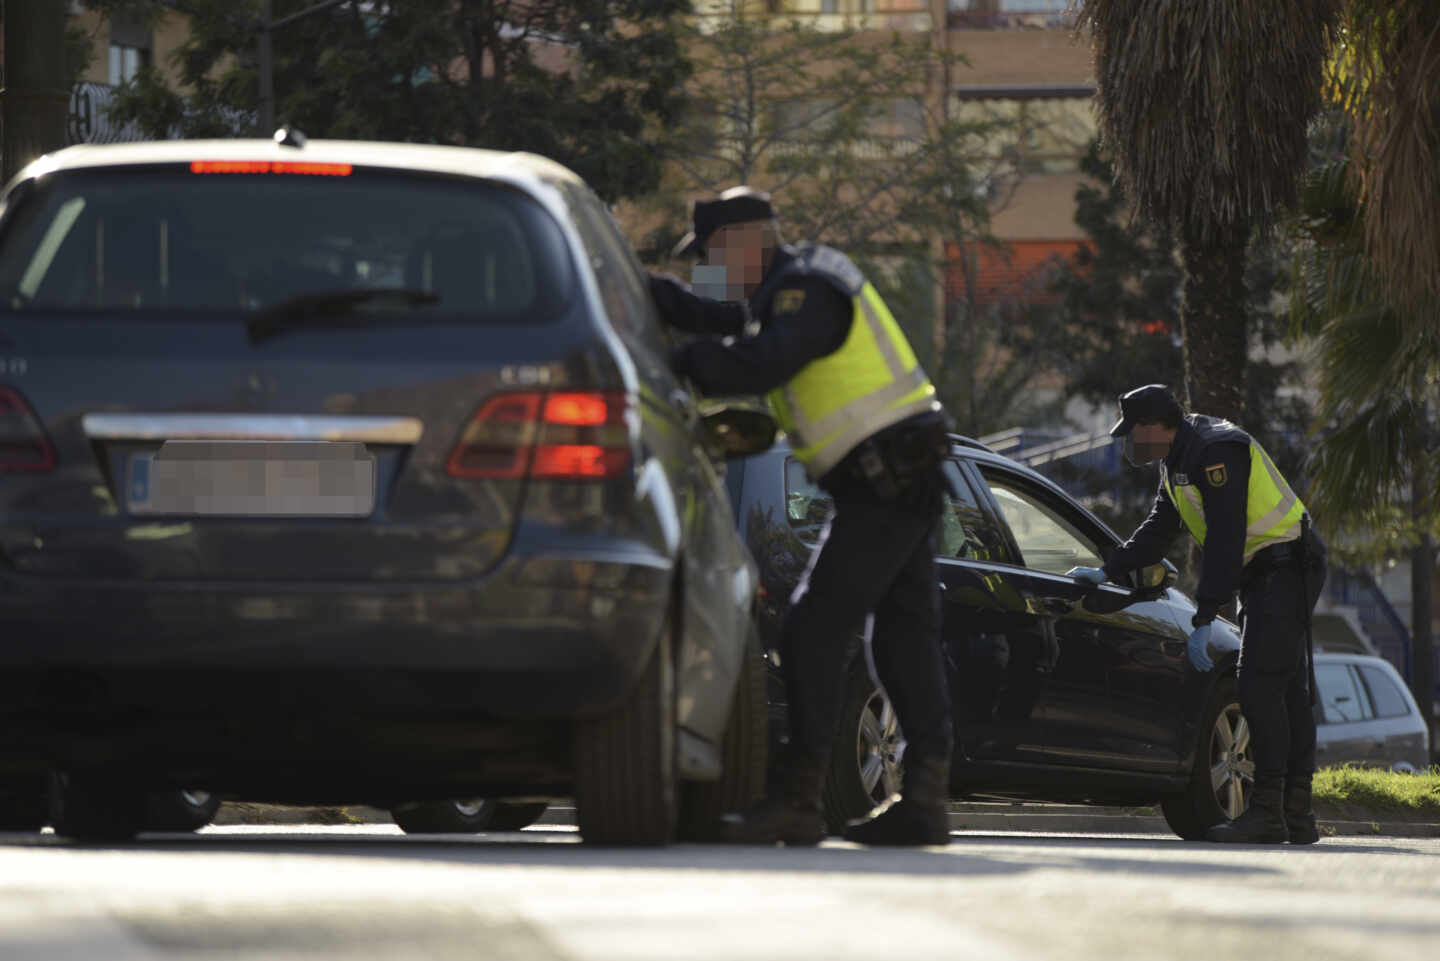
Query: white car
x,y
1369,716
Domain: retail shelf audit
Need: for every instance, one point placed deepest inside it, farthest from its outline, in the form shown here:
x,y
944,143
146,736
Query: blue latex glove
x,y
1195,647
1090,575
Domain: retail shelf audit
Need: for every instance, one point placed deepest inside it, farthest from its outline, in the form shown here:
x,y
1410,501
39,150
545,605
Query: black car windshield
x,y
128,241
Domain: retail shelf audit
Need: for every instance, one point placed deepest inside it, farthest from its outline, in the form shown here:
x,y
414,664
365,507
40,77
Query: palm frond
x,y
1205,102
1394,51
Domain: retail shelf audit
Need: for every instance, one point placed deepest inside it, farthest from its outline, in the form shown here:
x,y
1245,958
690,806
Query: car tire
x,y
180,811
24,805
460,816
744,756
864,767
514,816
625,791
1223,775
96,806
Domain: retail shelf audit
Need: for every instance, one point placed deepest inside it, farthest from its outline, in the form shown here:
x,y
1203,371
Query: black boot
x,y
1262,823
1299,815
793,818
918,817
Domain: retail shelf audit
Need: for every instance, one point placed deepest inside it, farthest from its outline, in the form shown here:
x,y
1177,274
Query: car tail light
x,y
579,435
23,444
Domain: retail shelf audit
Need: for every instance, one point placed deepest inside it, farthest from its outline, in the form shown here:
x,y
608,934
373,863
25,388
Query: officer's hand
x,y
1093,576
1195,647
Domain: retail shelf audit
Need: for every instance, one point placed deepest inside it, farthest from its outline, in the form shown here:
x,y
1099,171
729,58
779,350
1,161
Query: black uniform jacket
x,y
803,316
1213,455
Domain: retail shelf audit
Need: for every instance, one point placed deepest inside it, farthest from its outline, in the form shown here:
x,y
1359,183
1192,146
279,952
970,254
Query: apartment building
x,y
1024,64
119,48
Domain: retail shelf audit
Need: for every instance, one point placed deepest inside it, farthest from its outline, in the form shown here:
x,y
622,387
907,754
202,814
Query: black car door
x,y
1113,696
999,654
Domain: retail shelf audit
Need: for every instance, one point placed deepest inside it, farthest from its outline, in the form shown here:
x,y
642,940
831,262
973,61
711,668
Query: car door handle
x,y
1057,605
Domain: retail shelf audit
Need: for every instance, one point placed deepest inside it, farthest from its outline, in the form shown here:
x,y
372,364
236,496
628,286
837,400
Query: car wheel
x,y
1224,774
96,806
463,816
625,761
510,816
865,766
23,803
180,810
745,749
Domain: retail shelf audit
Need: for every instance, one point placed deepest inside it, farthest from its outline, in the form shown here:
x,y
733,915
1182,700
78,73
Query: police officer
x,y
1221,486
862,417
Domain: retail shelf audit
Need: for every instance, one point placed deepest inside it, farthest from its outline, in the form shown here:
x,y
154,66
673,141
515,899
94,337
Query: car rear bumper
x,y
539,638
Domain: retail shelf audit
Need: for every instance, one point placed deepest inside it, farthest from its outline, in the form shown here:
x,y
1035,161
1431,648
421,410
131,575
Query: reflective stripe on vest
x,y
1272,510
838,400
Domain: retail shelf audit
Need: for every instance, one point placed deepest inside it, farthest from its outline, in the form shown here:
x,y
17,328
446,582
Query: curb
x,y
973,817
1079,819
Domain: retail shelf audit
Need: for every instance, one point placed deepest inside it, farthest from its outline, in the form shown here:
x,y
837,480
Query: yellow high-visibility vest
x,y
872,381
1272,509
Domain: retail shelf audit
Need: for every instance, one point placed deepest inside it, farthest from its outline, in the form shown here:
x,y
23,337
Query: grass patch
x,y
1353,793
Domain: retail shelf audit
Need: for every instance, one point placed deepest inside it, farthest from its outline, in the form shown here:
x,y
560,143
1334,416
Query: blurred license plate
x,y
253,479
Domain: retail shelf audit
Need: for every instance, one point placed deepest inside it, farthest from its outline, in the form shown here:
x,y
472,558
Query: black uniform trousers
x,y
1274,672
875,556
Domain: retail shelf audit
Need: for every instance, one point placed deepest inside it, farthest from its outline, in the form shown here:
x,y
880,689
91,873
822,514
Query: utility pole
x,y
34,97
266,55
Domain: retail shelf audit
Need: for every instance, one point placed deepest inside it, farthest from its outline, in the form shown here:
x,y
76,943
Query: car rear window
x,y
128,241
1386,697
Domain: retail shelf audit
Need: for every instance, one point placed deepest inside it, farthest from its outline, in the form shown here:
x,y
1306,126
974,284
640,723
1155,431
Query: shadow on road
x,y
973,855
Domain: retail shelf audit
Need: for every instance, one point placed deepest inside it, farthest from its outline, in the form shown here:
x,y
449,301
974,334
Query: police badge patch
x,y
1216,475
789,301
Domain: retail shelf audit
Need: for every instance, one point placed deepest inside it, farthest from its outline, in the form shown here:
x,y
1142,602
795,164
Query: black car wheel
x,y
625,790
97,806
181,810
1224,774
742,780
513,816
865,766
23,802
463,816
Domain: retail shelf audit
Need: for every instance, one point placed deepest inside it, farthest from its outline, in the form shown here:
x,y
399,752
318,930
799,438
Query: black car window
x,y
807,506
1048,540
626,299
1340,695
966,531
126,241
1384,695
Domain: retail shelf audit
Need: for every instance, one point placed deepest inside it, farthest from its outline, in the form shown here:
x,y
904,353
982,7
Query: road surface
x,y
368,892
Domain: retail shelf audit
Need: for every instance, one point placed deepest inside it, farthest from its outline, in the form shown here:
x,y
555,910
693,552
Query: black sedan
x,y
342,472
1061,692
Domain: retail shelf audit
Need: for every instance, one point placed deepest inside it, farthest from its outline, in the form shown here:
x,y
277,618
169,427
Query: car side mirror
x,y
1157,577
737,429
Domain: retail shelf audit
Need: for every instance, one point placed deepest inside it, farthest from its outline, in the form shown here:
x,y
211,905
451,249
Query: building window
x,y
125,63
130,44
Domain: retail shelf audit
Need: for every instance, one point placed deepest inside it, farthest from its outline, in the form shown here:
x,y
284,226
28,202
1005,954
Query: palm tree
x,y
1204,105
1390,60
1376,464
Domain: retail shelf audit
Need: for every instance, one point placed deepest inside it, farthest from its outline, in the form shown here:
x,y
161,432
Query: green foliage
x,y
580,81
1376,459
841,127
1118,321
1367,790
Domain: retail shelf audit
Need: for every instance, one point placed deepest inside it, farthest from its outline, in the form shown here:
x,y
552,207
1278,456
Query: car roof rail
x,y
964,441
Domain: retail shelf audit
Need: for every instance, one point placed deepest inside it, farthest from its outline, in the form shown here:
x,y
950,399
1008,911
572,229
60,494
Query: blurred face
x,y
735,260
1147,443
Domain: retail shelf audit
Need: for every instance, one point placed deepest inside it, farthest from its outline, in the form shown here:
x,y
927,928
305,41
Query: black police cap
x,y
737,205
1150,404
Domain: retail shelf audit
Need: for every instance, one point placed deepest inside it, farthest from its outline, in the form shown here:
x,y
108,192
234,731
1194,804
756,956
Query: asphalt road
x,y
370,892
